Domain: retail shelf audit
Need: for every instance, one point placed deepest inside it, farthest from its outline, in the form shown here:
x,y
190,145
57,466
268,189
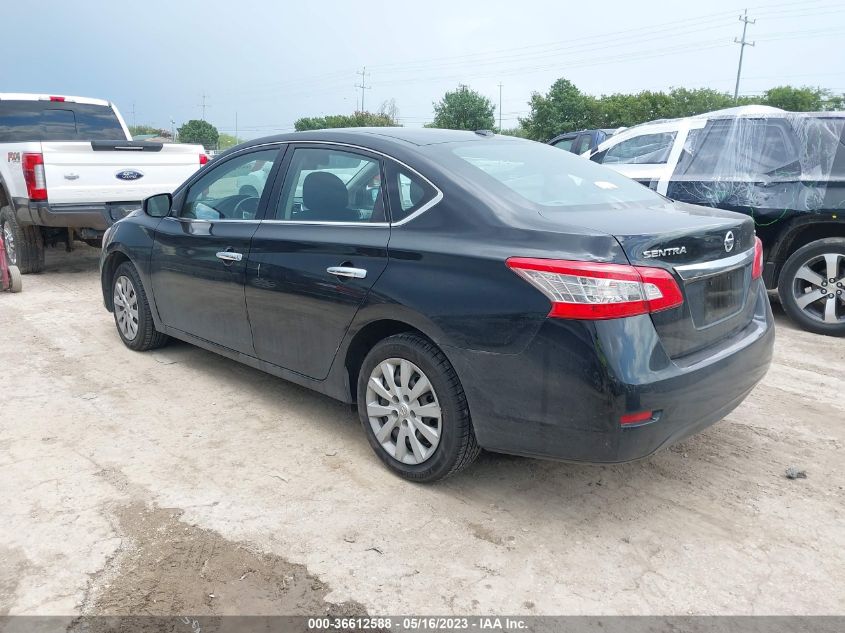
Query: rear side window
x,y
648,149
25,121
331,185
582,144
408,192
740,148
564,144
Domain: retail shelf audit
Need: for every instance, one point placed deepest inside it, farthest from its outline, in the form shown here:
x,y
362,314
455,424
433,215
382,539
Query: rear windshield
x,y
24,121
544,175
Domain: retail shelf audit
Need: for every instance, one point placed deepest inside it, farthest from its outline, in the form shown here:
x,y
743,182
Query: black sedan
x,y
466,290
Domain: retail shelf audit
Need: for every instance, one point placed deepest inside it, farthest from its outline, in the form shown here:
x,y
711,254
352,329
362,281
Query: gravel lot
x,y
178,481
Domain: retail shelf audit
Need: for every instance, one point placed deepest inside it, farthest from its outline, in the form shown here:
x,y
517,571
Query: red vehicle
x,y
10,276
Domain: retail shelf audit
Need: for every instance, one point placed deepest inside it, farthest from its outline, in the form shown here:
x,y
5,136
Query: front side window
x,y
542,175
232,190
652,149
331,185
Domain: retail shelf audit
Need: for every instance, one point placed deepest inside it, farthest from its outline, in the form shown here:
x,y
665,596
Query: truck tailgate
x,y
76,173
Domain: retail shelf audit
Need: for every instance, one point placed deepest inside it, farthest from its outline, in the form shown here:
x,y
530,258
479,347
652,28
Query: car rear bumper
x,y
97,216
564,395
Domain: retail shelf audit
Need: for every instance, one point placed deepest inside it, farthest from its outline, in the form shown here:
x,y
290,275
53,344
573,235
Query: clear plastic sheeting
x,y
767,165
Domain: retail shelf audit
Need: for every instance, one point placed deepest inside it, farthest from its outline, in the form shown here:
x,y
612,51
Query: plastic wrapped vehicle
x,y
786,170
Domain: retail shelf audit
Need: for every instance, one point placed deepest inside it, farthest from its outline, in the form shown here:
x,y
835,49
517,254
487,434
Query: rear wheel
x,y
15,279
414,411
132,314
24,245
812,287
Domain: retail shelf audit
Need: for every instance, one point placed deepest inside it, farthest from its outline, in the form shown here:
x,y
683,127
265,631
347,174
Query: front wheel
x,y
132,314
414,411
812,287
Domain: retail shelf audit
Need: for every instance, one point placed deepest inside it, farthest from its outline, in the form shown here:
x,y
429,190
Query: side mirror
x,y
158,206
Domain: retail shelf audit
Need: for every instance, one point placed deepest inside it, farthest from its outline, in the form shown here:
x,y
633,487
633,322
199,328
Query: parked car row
x,y
466,290
785,170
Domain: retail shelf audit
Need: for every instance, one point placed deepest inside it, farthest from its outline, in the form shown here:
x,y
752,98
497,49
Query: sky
x,y
264,64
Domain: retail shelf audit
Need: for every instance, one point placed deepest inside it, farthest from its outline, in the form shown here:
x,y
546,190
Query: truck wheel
x,y
812,287
414,411
16,283
132,314
24,246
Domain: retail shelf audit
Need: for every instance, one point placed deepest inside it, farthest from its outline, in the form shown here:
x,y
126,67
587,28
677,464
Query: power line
x,y
363,85
742,44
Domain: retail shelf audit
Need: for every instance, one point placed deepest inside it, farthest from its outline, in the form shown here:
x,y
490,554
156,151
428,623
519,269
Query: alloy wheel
x,y
818,288
9,241
403,411
126,307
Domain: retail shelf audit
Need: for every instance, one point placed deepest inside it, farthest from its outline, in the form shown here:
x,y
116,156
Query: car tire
x,y
413,444
807,272
15,279
24,245
132,314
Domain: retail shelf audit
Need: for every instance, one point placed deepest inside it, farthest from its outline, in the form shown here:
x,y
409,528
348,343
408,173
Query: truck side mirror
x,y
158,206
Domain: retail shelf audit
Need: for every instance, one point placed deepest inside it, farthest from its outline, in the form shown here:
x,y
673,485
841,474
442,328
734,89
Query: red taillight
x,y
757,269
203,159
636,418
589,290
57,98
33,175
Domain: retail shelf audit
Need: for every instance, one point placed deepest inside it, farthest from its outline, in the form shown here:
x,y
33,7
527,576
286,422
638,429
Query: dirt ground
x,y
180,482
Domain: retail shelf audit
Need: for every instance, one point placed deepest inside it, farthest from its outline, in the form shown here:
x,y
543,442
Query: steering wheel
x,y
246,207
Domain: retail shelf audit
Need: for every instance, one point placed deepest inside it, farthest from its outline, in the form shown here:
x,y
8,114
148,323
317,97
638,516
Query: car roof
x,y
382,135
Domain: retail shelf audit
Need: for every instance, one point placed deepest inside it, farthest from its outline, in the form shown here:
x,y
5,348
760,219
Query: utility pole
x,y
363,85
133,114
500,107
236,128
172,130
742,44
203,105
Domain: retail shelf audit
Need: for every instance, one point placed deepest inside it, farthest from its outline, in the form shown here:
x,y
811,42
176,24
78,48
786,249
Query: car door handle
x,y
347,271
229,256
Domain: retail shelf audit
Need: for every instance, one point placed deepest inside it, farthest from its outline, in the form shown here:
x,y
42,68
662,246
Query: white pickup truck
x,y
69,169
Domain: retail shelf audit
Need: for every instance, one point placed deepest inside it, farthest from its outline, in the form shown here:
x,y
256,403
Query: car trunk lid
x,y
709,252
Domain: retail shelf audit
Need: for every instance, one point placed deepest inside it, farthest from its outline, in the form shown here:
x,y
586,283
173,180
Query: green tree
x,y
225,141
804,99
563,109
136,130
357,119
686,102
464,109
201,132
514,131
